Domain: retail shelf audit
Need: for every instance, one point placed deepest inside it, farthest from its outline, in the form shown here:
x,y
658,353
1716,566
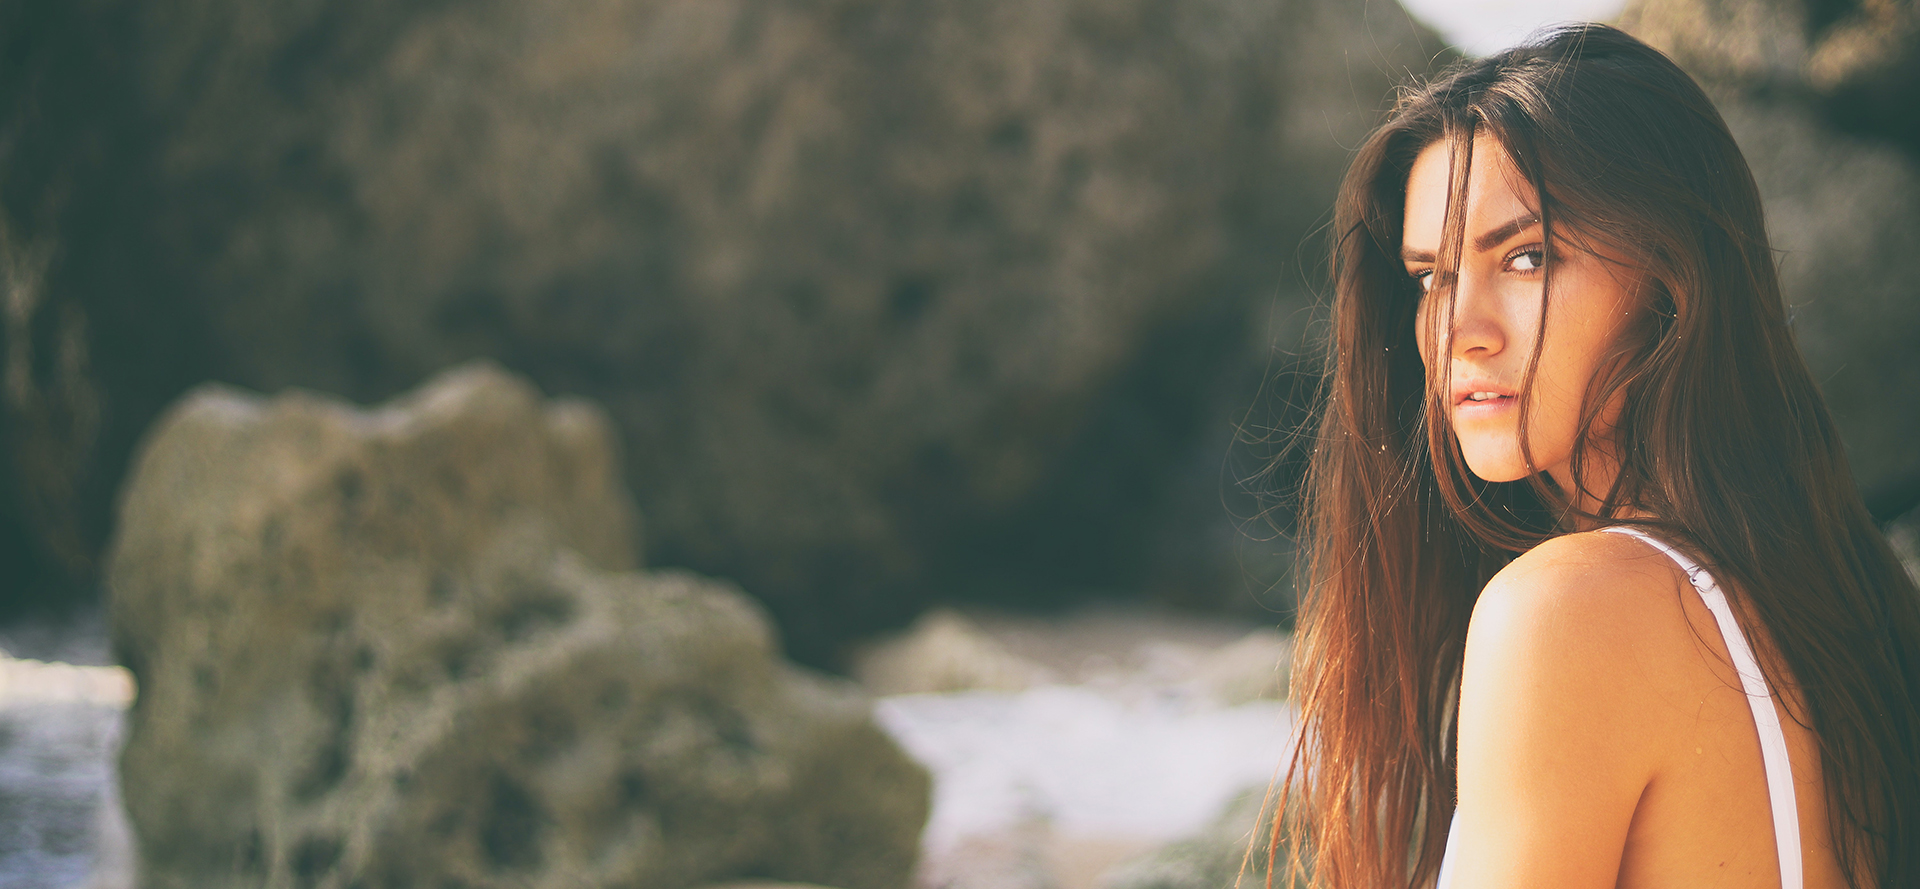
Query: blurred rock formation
x,y
942,652
1821,97
406,646
883,297
891,302
1857,61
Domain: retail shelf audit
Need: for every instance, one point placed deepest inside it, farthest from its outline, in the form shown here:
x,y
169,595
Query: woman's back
x,y
1601,715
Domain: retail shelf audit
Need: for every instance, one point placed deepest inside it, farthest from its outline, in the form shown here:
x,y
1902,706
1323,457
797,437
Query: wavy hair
x,y
1723,443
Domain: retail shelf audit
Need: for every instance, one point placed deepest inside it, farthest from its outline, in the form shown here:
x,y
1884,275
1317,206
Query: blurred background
x,y
974,327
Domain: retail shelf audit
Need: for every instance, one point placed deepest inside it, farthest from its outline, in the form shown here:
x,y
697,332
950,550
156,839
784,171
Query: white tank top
x,y
1773,741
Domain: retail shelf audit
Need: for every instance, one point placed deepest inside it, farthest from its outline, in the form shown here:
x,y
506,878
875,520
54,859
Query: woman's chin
x,y
1495,469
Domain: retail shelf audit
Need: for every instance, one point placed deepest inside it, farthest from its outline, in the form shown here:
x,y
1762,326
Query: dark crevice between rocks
x,y
1879,113
910,297
334,758
313,860
1824,14
76,179
730,728
535,609
635,792
1117,512
512,827
331,688
459,658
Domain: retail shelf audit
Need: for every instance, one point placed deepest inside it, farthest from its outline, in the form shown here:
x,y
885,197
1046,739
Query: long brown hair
x,y
1723,440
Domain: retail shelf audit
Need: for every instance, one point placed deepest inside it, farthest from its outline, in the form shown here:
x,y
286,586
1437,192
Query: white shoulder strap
x,y
1445,879
1773,741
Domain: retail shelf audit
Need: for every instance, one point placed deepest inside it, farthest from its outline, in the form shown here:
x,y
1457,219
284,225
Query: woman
x,y
1564,416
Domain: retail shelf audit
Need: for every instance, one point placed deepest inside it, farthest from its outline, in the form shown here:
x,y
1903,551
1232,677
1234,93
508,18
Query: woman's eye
x,y
1424,278
1530,259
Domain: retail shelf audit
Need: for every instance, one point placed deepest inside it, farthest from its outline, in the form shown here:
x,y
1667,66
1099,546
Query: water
x,y
57,800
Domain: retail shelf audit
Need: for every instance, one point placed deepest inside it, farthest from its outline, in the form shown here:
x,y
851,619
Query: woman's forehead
x,y
1496,193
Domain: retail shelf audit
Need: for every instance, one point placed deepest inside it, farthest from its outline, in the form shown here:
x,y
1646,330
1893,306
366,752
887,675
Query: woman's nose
x,y
1477,320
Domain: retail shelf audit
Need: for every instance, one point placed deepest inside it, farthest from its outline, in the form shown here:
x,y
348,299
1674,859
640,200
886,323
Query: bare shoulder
x,y
1571,698
1579,637
1595,587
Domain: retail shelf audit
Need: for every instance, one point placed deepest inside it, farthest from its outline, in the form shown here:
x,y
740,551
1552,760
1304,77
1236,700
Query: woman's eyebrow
x,y
1486,241
1508,229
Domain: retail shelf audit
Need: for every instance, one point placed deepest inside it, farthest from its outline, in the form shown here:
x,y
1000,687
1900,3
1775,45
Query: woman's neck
x,y
1598,473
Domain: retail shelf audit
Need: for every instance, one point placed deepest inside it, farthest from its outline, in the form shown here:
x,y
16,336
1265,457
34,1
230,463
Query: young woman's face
x,y
1497,311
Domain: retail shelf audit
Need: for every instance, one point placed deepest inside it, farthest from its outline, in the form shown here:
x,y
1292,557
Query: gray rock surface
x,y
1844,214
1841,181
876,292
404,647
1859,61
943,652
1749,41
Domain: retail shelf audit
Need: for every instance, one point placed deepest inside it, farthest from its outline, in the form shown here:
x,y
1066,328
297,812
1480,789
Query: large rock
x,y
944,652
404,647
1859,61
1845,215
1841,183
876,292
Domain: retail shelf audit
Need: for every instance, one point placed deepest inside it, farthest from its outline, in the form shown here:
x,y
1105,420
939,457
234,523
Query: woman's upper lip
x,y
1463,389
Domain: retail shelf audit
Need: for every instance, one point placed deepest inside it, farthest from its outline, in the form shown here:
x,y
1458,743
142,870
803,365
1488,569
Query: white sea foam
x,y
1139,763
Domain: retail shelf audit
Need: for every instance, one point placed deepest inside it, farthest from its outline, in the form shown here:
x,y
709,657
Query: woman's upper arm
x,y
1559,719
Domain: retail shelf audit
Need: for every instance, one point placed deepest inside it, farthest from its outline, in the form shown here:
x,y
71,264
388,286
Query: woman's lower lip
x,y
1471,409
